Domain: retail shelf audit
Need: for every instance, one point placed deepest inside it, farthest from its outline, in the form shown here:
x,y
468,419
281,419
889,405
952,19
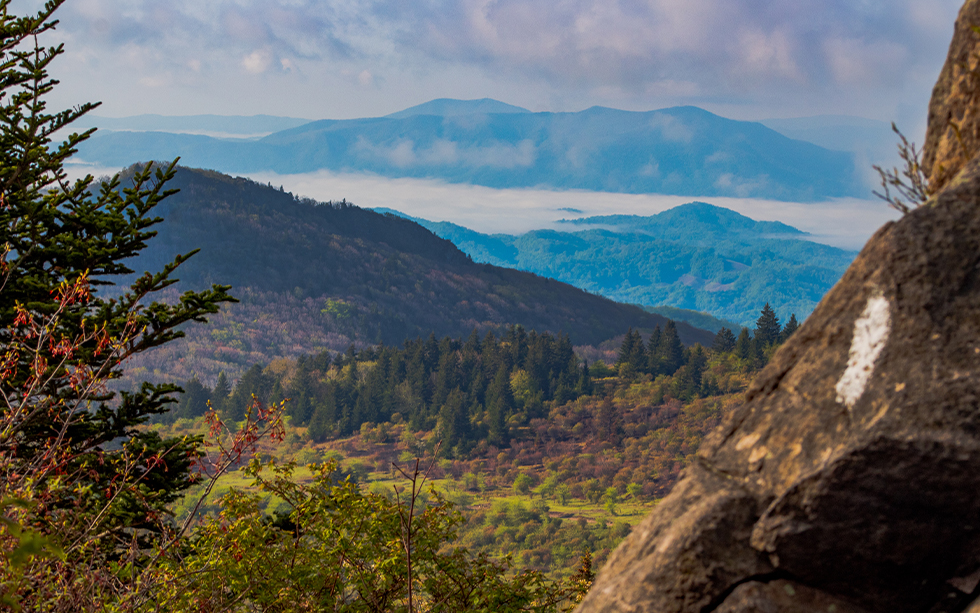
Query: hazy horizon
x,y
845,222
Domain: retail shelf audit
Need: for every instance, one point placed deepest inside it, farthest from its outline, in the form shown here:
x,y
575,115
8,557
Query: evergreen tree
x,y
473,342
790,327
631,347
220,393
61,241
300,394
194,400
743,345
654,358
324,415
767,329
253,383
452,429
689,377
671,349
584,385
500,404
724,341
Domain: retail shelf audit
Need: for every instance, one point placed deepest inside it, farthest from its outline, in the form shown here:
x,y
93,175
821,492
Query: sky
x,y
316,59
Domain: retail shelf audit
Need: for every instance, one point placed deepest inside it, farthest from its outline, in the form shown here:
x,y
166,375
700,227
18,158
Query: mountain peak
x,y
449,107
693,218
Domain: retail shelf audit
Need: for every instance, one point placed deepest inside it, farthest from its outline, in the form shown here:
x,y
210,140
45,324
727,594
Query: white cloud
x,y
258,61
547,55
671,128
846,223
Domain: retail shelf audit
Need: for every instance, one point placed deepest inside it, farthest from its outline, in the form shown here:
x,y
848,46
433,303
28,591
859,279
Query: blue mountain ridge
x,y
449,107
696,256
680,151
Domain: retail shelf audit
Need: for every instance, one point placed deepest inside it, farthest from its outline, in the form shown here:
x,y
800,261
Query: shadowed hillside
x,y
316,276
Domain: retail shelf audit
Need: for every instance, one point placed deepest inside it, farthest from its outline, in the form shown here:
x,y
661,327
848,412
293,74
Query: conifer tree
x,y
62,243
724,341
500,403
194,400
654,358
452,429
767,328
690,375
790,327
221,391
671,349
743,345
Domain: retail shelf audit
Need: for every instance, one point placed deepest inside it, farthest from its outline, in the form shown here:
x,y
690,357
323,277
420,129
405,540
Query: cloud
x,y
671,129
441,152
721,46
539,53
258,61
846,223
711,48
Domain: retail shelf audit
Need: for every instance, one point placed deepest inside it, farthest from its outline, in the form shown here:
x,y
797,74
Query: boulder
x,y
850,478
953,133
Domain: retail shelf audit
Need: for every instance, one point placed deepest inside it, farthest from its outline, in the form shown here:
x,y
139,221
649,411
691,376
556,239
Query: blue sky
x,y
746,59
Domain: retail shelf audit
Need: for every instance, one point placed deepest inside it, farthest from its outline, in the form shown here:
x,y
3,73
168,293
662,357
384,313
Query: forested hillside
x,y
516,415
695,256
314,277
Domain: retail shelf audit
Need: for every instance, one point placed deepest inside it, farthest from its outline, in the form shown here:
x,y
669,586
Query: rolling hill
x,y
315,276
694,256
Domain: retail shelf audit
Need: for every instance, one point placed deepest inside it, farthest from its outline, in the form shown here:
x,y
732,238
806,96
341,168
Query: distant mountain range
x,y
695,256
322,276
681,151
871,141
237,126
449,107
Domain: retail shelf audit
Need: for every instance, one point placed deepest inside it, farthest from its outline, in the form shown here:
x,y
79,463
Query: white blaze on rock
x,y
870,336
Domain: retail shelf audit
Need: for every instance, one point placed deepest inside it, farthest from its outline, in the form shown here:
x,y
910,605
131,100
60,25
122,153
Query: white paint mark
x,y
870,336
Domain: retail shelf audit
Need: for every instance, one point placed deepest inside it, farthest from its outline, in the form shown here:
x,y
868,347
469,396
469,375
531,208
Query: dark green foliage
x,y
743,345
653,353
790,327
53,231
670,352
465,391
221,391
767,328
632,353
724,341
253,383
194,400
689,376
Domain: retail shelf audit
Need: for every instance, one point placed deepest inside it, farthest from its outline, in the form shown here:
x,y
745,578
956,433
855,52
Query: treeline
x,y
468,391
664,355
480,389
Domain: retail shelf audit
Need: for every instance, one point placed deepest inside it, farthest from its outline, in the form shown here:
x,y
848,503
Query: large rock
x,y
850,478
953,134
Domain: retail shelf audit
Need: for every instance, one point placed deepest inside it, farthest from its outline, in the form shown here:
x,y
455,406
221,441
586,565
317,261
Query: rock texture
x,y
954,113
850,479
